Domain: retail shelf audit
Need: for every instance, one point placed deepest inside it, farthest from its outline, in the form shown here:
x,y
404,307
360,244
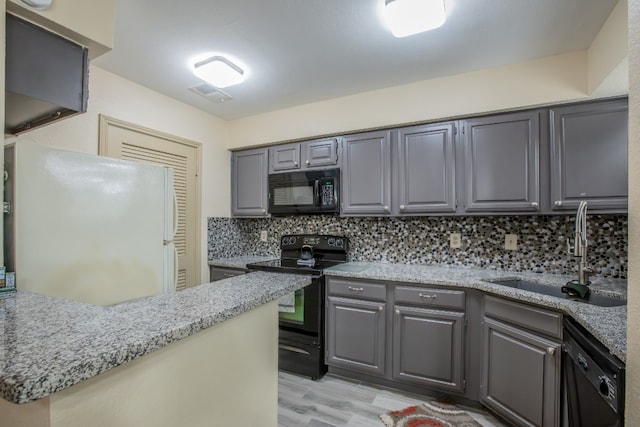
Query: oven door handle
x,y
294,349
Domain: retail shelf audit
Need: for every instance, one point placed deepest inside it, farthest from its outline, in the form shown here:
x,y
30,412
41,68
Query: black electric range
x,y
301,324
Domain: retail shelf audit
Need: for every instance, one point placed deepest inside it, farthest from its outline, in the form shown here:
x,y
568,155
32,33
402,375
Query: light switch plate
x,y
511,242
455,240
263,236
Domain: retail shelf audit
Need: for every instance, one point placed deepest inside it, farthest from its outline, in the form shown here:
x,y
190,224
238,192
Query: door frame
x,y
103,130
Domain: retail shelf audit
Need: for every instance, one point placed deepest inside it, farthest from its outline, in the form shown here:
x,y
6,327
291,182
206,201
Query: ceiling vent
x,y
210,92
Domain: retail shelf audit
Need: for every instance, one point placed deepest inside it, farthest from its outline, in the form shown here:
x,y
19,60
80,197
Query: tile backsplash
x,y
425,240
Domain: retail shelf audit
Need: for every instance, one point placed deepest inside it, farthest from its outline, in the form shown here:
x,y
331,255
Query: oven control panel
x,y
317,242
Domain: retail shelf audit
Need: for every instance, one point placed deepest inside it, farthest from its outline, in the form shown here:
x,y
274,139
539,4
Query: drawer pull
x,y
428,296
351,288
380,308
397,311
551,351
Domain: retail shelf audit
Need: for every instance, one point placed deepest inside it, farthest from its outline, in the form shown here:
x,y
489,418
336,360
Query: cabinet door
x,y
426,169
249,183
366,175
320,153
284,158
502,163
428,347
520,375
356,335
589,156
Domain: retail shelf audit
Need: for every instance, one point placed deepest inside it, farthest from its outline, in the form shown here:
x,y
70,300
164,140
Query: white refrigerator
x,y
88,228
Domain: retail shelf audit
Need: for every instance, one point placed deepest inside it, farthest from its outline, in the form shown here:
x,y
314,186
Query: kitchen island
x,y
200,357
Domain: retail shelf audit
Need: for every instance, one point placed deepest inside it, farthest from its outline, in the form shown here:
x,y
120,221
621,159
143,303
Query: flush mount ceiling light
x,y
37,4
407,17
219,71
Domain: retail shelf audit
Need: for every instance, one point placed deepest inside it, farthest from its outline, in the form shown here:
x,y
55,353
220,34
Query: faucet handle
x,y
569,248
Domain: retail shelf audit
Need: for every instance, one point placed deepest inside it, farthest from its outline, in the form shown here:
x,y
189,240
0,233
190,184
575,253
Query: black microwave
x,y
311,192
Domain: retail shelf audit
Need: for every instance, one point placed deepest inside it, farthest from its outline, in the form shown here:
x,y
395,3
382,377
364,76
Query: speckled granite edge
x,y
48,343
607,324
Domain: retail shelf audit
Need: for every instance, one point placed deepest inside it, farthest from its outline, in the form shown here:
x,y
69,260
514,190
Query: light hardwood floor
x,y
333,401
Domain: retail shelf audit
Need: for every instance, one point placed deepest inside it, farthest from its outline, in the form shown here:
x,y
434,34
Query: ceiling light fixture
x,y
407,17
219,71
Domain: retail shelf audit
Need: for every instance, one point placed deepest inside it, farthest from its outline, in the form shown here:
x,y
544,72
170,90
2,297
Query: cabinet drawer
x,y
429,297
529,317
360,290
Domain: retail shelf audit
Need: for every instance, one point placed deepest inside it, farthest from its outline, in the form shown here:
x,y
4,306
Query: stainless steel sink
x,y
555,291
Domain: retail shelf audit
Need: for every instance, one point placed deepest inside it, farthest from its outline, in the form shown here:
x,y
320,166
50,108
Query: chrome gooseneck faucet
x,y
580,244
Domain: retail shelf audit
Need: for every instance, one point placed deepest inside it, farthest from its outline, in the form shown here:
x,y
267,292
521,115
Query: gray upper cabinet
x,y
425,169
284,158
589,156
320,153
502,162
366,174
315,154
249,182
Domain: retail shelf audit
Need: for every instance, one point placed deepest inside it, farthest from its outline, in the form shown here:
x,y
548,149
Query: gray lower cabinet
x,y
219,273
366,174
425,169
428,347
520,377
355,336
249,183
589,156
502,163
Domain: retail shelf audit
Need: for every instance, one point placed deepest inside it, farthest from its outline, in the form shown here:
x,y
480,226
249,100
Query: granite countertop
x,y
239,261
49,343
608,324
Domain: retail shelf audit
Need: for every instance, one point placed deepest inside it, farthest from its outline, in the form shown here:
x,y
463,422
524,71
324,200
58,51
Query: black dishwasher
x,y
593,379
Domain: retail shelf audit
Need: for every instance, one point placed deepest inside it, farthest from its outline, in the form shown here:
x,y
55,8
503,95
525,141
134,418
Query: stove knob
x,y
292,240
284,241
339,243
331,241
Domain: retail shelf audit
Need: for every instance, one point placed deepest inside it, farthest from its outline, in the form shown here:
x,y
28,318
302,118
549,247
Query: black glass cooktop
x,y
290,265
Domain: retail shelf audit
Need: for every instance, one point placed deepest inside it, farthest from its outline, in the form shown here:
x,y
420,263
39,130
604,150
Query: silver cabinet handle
x,y
534,205
386,208
558,203
551,351
264,211
380,308
351,288
428,296
397,311
295,163
308,162
401,207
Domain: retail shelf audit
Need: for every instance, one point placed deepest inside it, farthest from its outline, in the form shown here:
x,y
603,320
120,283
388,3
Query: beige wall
x,y
608,49
122,99
543,81
633,307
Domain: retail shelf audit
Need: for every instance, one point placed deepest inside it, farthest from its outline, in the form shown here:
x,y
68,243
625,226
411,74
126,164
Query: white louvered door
x,y
138,146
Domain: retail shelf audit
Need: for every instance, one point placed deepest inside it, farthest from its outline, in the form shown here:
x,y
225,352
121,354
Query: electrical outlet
x,y
263,236
455,240
511,242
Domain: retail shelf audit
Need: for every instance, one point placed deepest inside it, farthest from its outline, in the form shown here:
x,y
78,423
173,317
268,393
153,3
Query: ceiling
x,y
303,51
